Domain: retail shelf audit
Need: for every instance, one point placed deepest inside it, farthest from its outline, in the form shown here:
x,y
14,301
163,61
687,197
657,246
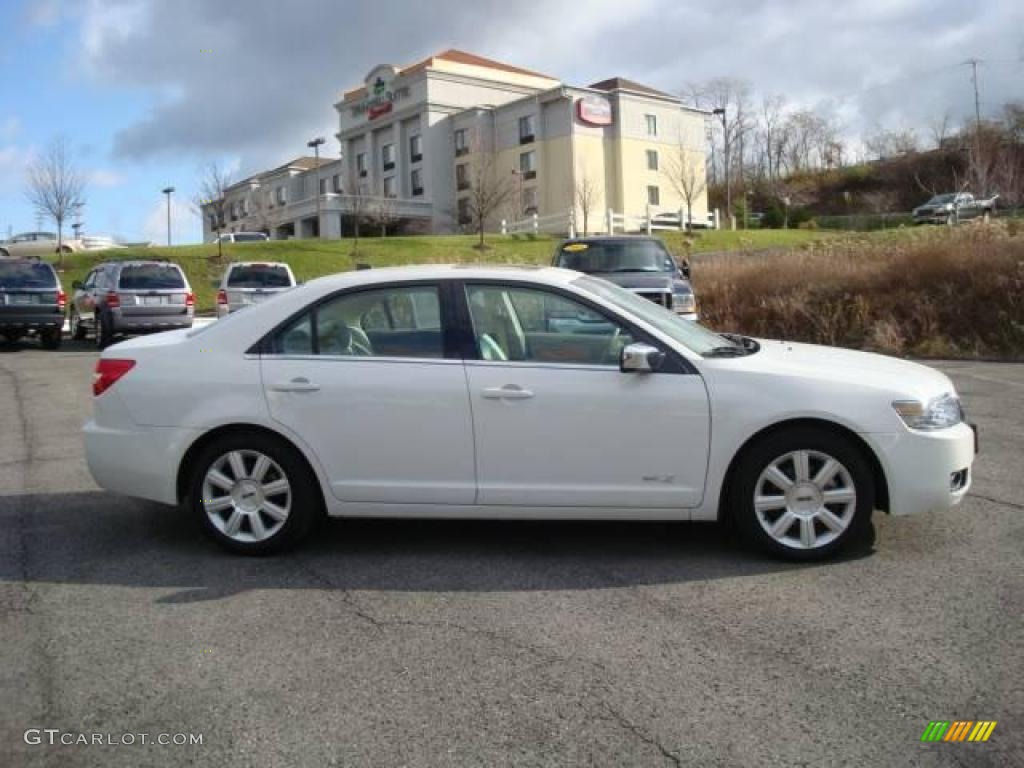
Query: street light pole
x,y
315,145
168,191
720,111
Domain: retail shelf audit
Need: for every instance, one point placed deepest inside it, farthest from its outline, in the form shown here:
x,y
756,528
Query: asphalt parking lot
x,y
454,643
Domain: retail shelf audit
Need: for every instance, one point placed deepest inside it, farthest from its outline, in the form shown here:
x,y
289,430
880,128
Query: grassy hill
x,y
313,258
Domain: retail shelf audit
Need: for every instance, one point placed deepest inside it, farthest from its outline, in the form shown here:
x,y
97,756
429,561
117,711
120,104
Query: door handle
x,y
298,384
507,392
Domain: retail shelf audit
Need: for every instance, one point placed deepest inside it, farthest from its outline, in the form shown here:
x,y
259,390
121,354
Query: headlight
x,y
684,303
939,413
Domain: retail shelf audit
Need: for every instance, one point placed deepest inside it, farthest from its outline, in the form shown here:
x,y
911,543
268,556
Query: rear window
x,y
249,237
259,276
26,275
141,277
615,256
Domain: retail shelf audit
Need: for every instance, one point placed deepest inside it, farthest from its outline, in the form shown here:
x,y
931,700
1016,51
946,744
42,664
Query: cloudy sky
x,y
147,90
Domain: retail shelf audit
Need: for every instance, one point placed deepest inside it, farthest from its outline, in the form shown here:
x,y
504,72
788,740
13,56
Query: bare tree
x,y
56,189
214,181
258,209
488,191
357,206
586,196
688,178
382,212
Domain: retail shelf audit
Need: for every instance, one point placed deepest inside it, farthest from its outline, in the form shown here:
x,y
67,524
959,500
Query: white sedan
x,y
516,393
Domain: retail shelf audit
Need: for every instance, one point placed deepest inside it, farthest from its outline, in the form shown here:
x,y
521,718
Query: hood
x,y
900,377
647,281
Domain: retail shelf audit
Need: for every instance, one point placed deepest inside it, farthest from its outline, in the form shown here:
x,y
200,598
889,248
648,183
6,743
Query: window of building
x,y
462,176
652,159
528,164
652,124
243,206
529,201
461,147
361,164
653,195
464,216
415,148
336,182
387,156
323,186
389,186
281,195
416,182
233,210
526,129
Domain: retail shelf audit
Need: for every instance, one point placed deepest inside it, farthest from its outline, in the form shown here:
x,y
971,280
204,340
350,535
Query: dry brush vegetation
x,y
931,292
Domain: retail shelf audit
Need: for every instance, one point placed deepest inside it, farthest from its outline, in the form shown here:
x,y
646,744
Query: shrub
x,y
926,292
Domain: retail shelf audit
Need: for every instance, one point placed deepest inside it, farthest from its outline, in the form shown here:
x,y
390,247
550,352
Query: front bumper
x,y
926,471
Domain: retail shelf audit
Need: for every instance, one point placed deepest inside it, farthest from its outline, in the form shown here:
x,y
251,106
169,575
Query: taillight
x,y
62,300
222,297
108,371
190,299
113,300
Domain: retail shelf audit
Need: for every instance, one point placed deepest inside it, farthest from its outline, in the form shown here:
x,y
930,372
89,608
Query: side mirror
x,y
76,285
640,358
684,268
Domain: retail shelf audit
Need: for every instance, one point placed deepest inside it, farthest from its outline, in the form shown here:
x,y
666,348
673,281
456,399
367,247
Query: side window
x,y
531,325
90,280
386,322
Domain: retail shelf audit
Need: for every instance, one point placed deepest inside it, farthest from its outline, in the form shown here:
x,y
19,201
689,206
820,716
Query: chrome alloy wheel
x,y
246,496
805,499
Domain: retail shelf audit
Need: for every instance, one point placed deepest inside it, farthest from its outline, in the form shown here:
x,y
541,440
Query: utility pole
x,y
720,111
977,99
315,144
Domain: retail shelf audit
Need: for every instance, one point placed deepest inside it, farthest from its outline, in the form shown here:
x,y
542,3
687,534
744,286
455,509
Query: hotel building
x,y
414,141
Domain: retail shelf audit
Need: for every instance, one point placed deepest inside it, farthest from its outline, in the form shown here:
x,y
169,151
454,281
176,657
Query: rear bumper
x,y
136,461
143,323
926,471
34,320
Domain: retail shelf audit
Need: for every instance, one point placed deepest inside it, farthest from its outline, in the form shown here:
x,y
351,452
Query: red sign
x,y
594,110
378,109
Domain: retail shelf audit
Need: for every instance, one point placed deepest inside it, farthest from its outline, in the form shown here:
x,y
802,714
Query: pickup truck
x,y
953,207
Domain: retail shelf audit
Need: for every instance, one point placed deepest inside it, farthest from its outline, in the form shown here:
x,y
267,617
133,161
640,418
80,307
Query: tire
x,y
817,528
51,338
104,333
77,329
246,519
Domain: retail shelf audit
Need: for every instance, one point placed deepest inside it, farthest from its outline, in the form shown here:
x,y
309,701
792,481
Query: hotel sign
x,y
594,110
381,94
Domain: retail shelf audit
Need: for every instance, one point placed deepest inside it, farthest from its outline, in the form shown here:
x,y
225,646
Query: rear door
x,y
369,380
152,289
254,283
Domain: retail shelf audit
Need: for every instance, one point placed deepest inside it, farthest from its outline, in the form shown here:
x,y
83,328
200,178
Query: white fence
x,y
652,220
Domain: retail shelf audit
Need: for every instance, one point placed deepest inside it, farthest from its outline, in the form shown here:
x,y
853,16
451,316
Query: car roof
x,y
610,239
260,262
515,272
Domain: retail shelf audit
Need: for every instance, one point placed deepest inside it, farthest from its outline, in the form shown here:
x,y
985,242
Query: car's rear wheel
x,y
803,493
104,333
77,329
253,494
50,338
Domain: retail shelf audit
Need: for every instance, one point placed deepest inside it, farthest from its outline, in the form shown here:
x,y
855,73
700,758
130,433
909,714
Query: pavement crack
x,y
640,733
994,500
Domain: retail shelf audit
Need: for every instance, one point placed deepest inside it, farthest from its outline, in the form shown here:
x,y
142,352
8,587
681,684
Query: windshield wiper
x,y
727,352
744,345
633,269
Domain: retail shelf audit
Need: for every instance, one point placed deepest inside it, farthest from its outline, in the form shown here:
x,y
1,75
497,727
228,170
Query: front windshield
x,y
939,199
691,335
616,256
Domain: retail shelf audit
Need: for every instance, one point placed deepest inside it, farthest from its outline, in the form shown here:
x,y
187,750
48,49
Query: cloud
x,y
184,226
255,84
103,177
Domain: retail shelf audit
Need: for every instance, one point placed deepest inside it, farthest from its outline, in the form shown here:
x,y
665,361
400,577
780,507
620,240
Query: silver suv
x,y
122,297
251,282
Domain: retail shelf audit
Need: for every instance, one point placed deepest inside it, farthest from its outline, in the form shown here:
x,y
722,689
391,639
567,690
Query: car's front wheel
x,y
253,494
803,493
